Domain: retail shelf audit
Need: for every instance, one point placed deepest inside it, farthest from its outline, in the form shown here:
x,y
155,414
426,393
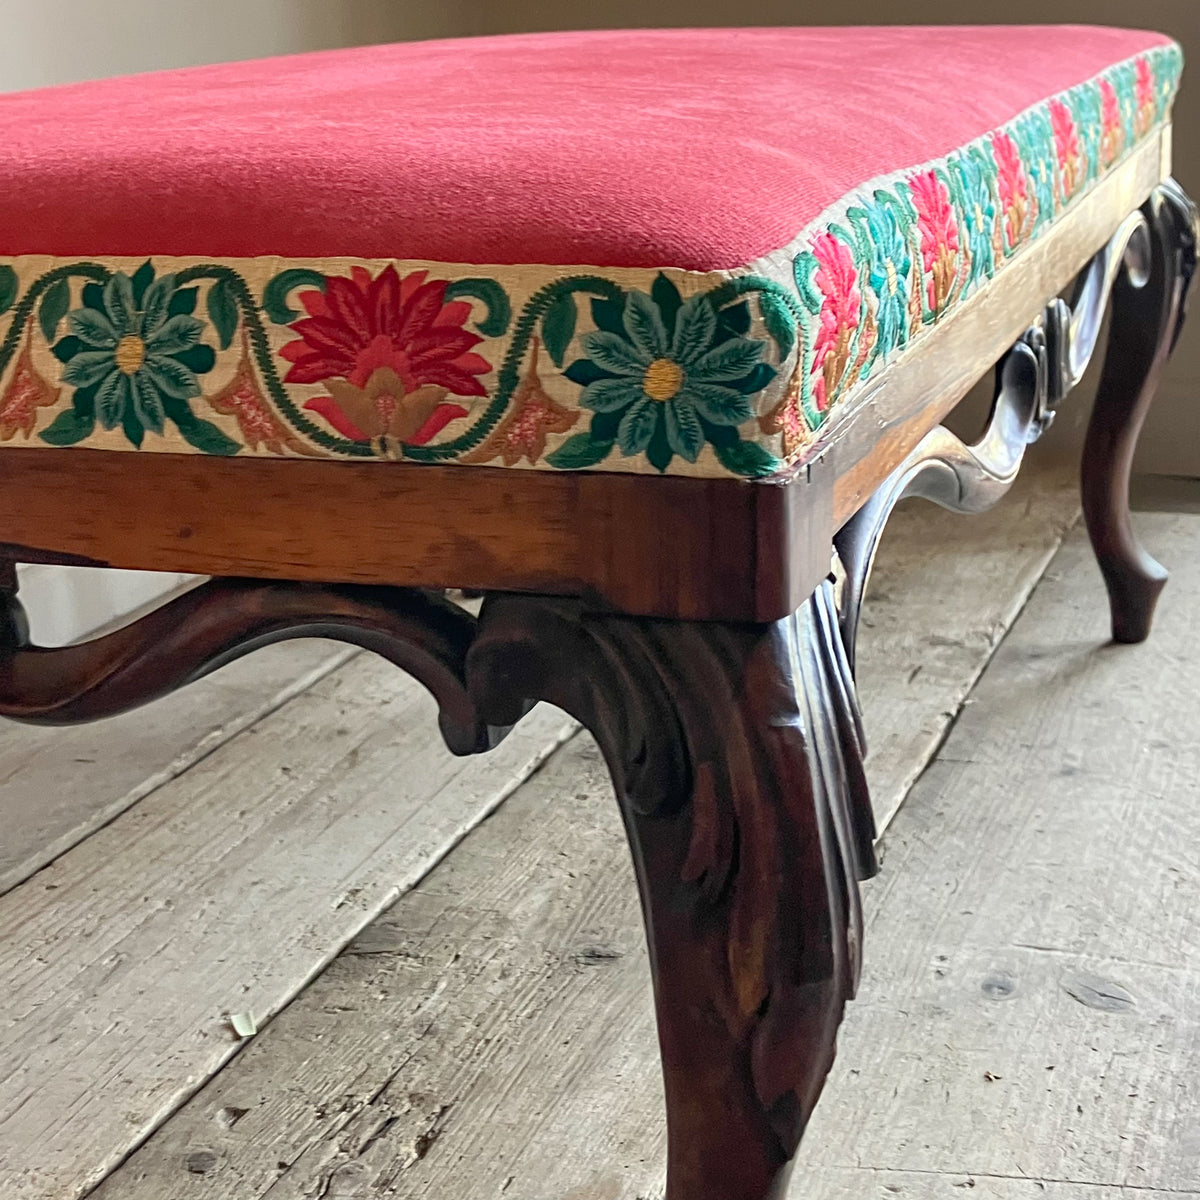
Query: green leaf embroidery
x,y
182,303
684,431
747,459
659,452
8,287
66,348
141,280
197,359
605,426
580,451
755,381
68,428
609,315
275,294
733,321
84,402
779,322
637,426
719,435
666,295
558,327
804,268
205,436
54,307
223,312
134,430
493,296
583,371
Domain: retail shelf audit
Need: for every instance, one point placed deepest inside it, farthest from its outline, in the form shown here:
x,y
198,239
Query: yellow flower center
x,y
663,379
130,354
893,278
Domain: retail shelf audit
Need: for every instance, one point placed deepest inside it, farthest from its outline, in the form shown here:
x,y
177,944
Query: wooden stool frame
x,y
692,626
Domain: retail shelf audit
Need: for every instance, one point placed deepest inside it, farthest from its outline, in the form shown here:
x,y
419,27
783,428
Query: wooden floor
x,y
444,961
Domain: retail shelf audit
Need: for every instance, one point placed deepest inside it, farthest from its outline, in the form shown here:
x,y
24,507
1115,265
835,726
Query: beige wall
x,y
1170,443
51,41
59,41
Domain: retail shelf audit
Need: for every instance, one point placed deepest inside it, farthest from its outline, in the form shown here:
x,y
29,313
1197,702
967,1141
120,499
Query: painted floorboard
x,y
908,710
1028,1024
222,892
944,591
59,785
1036,1011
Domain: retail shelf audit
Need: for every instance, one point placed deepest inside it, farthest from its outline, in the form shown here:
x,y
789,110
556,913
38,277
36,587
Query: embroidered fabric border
x,y
724,373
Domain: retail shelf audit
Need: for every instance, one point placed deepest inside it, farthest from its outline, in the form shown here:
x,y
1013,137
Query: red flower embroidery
x,y
390,351
27,392
1066,145
939,236
1112,131
1147,105
1014,195
838,282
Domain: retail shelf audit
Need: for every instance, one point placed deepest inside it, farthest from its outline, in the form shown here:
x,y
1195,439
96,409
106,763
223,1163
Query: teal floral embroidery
x,y
664,376
1124,81
1167,69
133,354
1085,109
884,242
662,380
936,235
1035,136
977,201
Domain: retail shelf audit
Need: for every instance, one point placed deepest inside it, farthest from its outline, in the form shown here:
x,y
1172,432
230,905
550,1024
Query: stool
x,y
638,334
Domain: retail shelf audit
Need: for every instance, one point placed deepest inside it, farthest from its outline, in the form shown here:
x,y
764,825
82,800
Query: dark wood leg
x,y
14,628
736,756
421,632
1149,300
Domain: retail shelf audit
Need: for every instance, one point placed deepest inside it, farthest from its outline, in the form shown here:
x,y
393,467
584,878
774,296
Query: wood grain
x,y
421,632
630,542
284,843
59,786
511,985
702,549
944,592
985,567
736,757
1052,838
1148,313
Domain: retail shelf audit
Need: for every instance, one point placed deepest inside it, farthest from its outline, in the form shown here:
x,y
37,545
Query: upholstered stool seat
x,y
670,251
330,291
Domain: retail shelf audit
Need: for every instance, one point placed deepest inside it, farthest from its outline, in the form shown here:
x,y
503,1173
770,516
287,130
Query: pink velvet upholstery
x,y
700,149
683,251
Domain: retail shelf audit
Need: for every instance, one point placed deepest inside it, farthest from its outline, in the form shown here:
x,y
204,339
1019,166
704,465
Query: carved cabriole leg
x,y
14,628
1147,267
736,756
1149,300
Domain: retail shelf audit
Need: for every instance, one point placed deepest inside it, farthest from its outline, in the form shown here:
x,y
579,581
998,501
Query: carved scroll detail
x,y
1032,380
1149,306
736,755
942,468
185,639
